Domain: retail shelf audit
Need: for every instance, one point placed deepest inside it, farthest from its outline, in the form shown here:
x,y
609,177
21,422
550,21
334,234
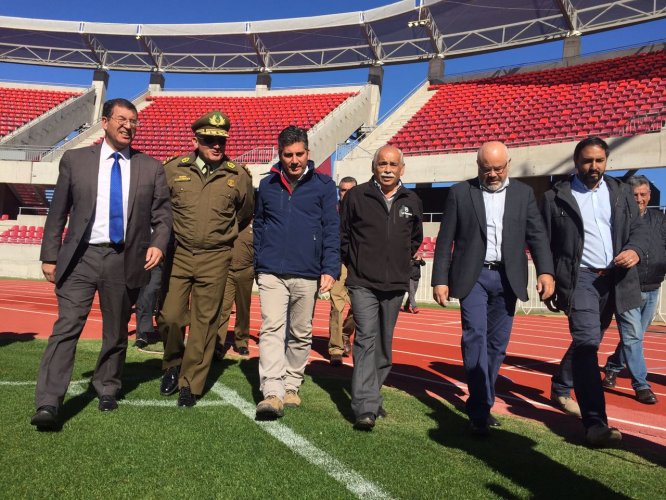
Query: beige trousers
x,y
285,338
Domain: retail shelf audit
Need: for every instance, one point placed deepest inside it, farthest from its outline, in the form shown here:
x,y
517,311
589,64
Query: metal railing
x,y
23,153
264,154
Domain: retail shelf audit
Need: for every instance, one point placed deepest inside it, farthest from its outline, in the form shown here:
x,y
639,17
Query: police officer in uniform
x,y
238,291
212,200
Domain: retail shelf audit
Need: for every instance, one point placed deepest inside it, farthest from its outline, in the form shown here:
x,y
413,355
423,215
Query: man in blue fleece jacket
x,y
296,254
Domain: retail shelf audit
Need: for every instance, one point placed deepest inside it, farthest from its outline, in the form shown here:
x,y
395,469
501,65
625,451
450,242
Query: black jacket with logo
x,y
377,244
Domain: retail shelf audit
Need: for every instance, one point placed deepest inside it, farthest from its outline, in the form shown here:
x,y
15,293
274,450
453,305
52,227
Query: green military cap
x,y
214,123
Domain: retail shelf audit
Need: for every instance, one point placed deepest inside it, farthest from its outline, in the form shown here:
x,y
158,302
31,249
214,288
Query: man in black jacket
x,y
381,229
597,238
480,259
634,322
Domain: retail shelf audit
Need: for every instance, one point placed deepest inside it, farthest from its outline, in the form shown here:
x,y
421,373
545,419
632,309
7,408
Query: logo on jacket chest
x,y
405,212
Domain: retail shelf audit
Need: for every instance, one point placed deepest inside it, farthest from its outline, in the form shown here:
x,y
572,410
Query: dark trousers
x,y
147,301
592,307
487,316
97,270
375,321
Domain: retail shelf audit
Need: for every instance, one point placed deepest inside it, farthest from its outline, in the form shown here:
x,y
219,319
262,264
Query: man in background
x,y
238,291
340,330
633,323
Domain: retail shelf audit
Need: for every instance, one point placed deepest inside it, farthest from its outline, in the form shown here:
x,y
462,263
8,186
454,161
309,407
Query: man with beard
x,y
381,229
480,259
597,238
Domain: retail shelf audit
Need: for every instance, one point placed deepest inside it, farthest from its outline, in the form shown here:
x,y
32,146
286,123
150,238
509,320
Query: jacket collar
x,y
278,173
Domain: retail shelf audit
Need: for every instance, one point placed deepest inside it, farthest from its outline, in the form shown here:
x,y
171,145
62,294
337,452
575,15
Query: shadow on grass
x,y
250,368
512,455
330,379
8,338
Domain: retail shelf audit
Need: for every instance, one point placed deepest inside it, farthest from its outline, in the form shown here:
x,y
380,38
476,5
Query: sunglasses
x,y
207,140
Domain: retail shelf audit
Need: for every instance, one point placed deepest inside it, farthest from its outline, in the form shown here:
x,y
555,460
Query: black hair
x,y
107,109
291,135
590,141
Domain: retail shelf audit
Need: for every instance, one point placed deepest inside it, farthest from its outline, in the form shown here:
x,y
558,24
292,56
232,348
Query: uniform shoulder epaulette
x,y
185,158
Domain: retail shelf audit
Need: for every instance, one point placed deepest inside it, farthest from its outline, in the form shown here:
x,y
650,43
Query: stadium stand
x,y
19,106
256,121
615,97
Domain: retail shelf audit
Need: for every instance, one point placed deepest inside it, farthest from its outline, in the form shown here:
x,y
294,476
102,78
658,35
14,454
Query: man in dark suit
x,y
480,259
114,196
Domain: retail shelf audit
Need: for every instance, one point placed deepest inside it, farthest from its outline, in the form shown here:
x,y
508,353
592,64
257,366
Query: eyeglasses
x,y
210,141
122,121
494,170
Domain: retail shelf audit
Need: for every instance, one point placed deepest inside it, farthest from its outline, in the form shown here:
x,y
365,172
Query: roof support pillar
x,y
436,70
571,47
100,83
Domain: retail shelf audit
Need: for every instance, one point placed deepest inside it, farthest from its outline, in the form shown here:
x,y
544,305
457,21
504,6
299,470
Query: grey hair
x,y
638,180
347,180
374,158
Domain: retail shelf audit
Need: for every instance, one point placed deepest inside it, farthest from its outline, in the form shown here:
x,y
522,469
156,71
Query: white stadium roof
x,y
405,31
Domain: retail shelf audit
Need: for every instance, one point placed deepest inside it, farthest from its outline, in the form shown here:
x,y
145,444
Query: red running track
x,y
427,358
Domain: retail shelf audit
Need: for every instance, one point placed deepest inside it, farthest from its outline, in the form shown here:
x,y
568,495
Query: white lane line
x,y
349,478
34,382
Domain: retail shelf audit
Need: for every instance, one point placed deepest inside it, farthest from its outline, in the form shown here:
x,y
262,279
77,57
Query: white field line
x,y
350,479
34,382
168,402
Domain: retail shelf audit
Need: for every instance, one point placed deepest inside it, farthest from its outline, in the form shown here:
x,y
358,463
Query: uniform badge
x,y
405,212
185,159
231,164
182,178
231,183
216,120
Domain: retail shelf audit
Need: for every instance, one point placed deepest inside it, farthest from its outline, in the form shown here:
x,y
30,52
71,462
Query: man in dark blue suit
x,y
480,259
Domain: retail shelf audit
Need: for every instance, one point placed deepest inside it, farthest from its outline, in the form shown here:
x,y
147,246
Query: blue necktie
x,y
116,202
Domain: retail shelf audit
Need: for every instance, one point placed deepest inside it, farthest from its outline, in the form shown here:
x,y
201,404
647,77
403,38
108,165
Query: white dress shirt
x,y
493,202
100,228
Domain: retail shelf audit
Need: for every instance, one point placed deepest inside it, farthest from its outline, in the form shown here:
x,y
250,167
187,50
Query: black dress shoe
x,y
141,340
479,427
46,418
107,403
243,351
186,398
381,413
169,383
610,379
365,422
336,359
493,422
220,351
646,396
